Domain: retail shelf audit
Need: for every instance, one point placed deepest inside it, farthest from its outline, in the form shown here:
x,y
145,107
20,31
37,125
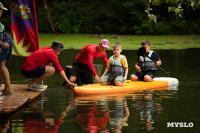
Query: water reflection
x,y
47,122
92,118
37,117
4,124
96,112
149,108
92,113
138,112
31,121
118,113
110,113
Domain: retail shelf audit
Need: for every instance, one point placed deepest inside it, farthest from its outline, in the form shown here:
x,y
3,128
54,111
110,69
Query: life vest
x,y
116,67
146,63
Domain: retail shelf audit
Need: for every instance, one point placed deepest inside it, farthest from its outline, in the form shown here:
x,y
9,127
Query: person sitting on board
x,y
6,44
117,68
37,66
82,65
146,64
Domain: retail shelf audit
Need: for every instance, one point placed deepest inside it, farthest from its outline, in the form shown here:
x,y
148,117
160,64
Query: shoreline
x,y
129,42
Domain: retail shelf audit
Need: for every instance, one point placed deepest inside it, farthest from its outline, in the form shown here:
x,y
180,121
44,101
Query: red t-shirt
x,y
37,125
88,54
42,57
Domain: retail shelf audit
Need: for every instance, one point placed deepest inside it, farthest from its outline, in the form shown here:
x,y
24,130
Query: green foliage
x,y
178,11
42,21
178,26
117,16
161,28
151,17
62,24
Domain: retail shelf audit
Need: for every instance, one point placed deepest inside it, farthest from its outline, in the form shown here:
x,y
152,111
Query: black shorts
x,y
141,75
37,72
83,71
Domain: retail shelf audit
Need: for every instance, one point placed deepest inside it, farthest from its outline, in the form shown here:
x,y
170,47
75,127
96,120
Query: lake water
x,y
59,110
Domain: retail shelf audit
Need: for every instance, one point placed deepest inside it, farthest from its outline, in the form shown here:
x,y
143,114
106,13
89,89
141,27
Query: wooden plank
x,y
20,97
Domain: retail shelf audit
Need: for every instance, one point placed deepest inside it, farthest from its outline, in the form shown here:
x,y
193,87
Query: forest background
x,y
126,17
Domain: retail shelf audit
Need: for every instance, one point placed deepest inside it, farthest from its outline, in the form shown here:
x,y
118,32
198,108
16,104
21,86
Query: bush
x,y
62,24
178,26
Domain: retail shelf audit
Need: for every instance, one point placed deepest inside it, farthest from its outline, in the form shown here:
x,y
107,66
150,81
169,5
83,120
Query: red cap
x,y
105,43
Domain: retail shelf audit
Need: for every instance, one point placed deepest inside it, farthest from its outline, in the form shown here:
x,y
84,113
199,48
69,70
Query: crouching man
x,y
37,65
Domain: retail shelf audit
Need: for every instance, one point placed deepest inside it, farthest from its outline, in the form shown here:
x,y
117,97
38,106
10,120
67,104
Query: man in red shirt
x,y
37,66
82,65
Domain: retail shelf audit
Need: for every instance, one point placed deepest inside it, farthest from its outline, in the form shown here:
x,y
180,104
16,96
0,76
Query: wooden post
x,y
67,70
97,67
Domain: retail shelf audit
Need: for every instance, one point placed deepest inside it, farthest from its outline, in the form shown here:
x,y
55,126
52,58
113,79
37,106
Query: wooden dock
x,y
21,96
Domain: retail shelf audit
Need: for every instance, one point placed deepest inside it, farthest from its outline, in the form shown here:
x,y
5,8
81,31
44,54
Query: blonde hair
x,y
117,44
145,42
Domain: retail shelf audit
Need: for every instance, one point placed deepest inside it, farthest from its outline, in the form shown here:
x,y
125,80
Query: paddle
x,y
142,52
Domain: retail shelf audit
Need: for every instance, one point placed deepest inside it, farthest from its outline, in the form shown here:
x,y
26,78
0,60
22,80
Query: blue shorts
x,y
37,72
141,75
6,52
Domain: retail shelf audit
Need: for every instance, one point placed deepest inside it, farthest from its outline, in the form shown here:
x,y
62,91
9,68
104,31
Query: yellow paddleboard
x,y
129,86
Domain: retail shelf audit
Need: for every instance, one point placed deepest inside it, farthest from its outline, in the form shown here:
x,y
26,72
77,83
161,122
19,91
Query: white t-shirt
x,y
1,27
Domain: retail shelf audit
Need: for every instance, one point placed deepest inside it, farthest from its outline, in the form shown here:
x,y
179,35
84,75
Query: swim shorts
x,y
37,72
141,75
83,71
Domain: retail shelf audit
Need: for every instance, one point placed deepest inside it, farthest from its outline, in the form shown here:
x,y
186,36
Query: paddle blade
x,y
141,51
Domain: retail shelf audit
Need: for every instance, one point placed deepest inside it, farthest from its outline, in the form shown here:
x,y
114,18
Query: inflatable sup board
x,y
129,86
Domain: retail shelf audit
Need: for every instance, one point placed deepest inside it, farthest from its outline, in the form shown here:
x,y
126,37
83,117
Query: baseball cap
x,y
105,43
57,45
2,7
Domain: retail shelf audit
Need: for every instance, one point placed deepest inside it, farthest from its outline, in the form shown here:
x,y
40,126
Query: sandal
x,y
6,92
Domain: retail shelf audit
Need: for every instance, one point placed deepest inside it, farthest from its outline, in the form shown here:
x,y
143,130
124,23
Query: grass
x,y
132,42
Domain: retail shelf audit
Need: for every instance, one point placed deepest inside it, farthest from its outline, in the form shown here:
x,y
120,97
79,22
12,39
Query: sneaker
x,y
36,88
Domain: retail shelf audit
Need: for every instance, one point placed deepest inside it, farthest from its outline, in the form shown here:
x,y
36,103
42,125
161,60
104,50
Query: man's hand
x,y
72,85
97,79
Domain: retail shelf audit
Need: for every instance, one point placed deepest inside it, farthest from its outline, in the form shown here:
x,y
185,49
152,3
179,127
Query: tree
x,y
174,6
48,15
